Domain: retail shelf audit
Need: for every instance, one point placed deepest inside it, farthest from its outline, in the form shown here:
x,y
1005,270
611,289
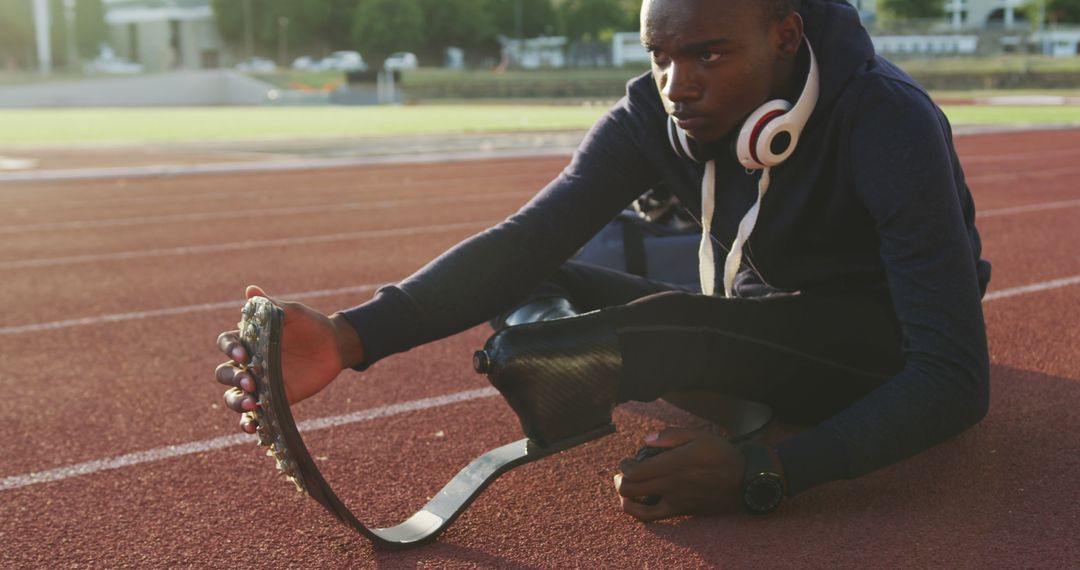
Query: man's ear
x,y
789,34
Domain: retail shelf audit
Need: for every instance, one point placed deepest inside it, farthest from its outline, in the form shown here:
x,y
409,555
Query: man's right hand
x,y
314,350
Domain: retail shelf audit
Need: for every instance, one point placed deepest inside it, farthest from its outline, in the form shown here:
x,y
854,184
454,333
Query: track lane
x,y
133,376
991,480
161,285
162,189
1031,248
561,512
50,294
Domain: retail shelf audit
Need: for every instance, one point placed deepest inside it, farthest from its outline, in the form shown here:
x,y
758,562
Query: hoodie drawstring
x,y
706,263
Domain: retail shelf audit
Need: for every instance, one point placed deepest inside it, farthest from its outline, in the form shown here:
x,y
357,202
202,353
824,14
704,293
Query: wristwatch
x,y
762,487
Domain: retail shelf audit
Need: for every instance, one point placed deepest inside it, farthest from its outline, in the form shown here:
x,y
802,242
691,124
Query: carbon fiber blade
x,y
260,330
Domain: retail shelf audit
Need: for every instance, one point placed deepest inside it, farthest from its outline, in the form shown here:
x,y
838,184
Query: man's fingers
x,y
248,423
240,401
230,374
637,489
646,513
651,468
676,443
229,343
671,437
226,374
254,291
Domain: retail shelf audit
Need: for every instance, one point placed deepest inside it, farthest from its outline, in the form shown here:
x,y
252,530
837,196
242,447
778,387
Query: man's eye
x,y
658,57
710,56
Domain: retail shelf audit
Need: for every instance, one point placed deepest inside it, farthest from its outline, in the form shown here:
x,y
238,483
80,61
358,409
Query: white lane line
x,y
1033,288
1017,157
388,160
382,204
164,193
254,213
1022,175
277,165
331,182
139,315
154,313
1028,208
167,452
241,245
170,451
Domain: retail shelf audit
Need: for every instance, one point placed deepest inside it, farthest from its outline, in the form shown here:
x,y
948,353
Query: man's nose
x,y
680,84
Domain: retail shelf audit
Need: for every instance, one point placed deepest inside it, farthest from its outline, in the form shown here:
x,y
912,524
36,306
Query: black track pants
x,y
807,355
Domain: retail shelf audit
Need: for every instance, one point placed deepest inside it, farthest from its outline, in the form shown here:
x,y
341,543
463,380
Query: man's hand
x,y
699,475
314,350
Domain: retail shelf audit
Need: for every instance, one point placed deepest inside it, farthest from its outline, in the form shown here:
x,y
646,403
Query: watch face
x,y
763,493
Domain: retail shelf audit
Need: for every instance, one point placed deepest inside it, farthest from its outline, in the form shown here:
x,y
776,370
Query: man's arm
x,y
490,271
903,172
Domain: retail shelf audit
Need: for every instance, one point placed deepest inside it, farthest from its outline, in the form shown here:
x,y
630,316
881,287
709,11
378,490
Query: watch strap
x,y
762,487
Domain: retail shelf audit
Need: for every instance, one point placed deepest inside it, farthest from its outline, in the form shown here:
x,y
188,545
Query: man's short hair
x,y
779,9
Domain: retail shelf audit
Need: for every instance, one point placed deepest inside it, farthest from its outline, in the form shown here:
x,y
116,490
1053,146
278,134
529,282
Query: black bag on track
x,y
655,239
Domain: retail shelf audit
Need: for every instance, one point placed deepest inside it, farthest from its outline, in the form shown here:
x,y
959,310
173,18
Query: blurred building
x,y
972,27
986,14
968,15
535,53
165,34
1058,43
626,49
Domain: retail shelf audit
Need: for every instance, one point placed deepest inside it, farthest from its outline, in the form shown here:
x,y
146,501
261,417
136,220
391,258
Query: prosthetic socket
x,y
560,376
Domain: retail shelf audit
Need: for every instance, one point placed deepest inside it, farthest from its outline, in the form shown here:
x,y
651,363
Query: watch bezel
x,y
758,481
760,477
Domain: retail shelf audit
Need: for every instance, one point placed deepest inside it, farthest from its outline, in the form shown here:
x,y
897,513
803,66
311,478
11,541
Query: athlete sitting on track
x,y
854,309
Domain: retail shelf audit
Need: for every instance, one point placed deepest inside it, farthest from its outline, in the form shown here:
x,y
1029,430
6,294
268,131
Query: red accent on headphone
x,y
757,131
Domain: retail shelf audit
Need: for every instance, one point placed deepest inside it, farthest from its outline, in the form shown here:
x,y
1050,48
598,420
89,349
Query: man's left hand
x,y
700,474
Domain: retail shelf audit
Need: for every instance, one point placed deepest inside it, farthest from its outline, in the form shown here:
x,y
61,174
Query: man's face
x,y
714,61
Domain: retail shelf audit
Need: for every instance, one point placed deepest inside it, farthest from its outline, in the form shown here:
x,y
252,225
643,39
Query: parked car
x,y
400,61
116,66
257,65
109,62
343,61
306,63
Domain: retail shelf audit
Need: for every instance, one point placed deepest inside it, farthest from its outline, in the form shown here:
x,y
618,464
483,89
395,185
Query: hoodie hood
x,y
833,27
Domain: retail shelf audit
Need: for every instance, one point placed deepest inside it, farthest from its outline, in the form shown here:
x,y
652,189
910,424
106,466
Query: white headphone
x,y
769,135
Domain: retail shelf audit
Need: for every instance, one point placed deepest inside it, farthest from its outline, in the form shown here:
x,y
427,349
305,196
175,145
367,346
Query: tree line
x,y
18,48
380,27
426,27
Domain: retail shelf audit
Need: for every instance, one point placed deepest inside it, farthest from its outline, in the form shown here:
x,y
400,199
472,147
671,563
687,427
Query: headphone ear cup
x,y
751,142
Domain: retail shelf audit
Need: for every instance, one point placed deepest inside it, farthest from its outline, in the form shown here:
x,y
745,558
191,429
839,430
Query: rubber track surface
x,y
116,289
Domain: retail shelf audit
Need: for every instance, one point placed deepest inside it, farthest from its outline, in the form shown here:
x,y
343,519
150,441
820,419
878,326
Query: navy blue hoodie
x,y
873,196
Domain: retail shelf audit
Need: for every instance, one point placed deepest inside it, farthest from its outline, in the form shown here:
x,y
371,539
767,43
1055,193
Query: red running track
x,y
116,289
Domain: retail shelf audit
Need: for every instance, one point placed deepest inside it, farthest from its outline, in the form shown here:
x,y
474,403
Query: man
x,y
855,308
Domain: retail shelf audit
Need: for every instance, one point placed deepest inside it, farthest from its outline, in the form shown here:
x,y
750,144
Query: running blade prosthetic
x,y
260,330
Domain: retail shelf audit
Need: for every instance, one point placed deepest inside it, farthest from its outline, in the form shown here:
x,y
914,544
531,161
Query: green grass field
x,y
64,126
1009,115
425,76
73,126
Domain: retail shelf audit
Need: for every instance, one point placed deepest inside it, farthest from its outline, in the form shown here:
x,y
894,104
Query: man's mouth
x,y
689,122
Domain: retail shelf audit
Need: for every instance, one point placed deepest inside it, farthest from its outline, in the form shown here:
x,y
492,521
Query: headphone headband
x,y
768,138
